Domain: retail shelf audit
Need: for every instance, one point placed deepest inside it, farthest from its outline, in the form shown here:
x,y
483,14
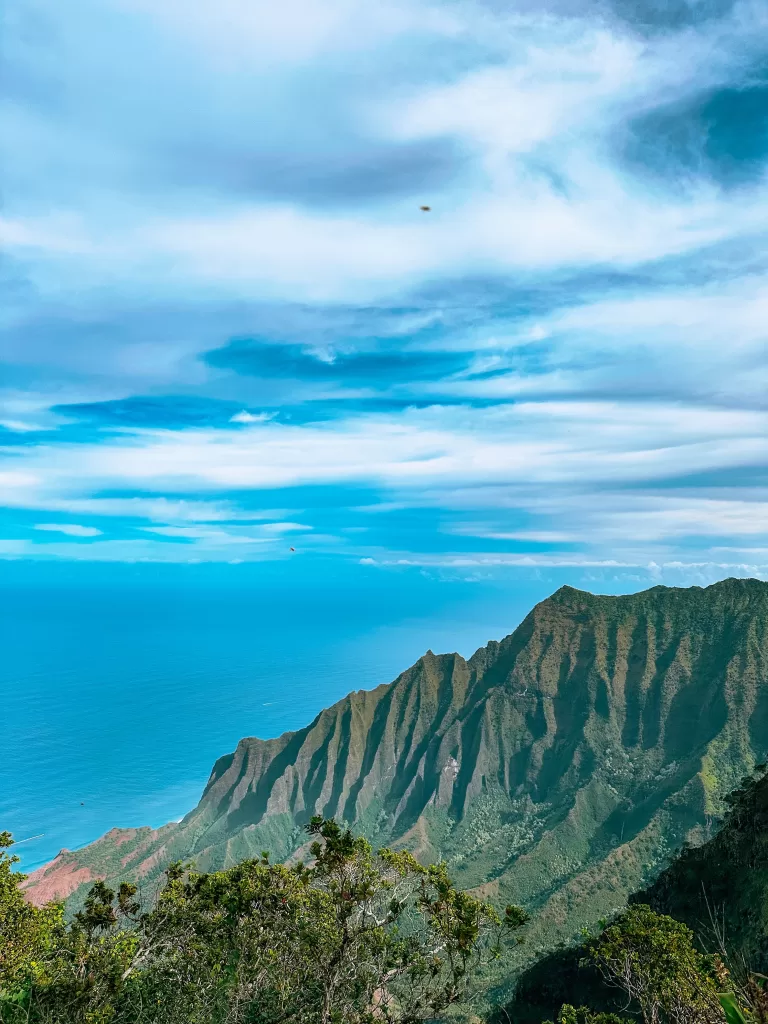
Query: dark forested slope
x,y
719,889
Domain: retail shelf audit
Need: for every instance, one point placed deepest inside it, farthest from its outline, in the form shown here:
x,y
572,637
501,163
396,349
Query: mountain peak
x,y
566,592
558,764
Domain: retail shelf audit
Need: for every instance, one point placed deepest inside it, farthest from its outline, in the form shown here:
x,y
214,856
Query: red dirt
x,y
56,881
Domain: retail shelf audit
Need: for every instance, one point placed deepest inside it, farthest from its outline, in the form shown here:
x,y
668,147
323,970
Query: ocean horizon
x,y
122,684
121,690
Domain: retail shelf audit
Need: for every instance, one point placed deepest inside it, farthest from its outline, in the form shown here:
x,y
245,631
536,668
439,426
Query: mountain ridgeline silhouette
x,y
559,767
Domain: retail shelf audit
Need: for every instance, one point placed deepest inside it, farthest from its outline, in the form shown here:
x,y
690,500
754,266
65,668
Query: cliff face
x,y
558,767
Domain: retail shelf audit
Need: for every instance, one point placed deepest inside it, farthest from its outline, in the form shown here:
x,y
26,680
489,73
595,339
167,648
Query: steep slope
x,y
559,767
719,889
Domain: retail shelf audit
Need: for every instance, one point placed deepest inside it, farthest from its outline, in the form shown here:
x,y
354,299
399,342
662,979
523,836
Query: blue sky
x,y
227,328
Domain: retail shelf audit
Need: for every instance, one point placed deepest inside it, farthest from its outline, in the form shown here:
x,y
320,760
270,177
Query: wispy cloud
x,y
70,529
249,417
227,321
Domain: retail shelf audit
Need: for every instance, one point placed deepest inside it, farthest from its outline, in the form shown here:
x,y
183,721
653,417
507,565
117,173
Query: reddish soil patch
x,y
121,835
56,881
151,862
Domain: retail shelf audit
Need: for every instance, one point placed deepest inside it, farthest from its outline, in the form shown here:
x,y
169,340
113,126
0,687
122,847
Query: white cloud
x,y
19,426
690,317
284,527
589,474
278,251
534,113
248,417
535,536
240,33
534,443
59,233
263,533
158,509
631,522
460,561
556,76
209,535
12,481
643,518
70,529
527,104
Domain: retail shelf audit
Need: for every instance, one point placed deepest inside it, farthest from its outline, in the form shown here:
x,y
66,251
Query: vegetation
x,y
720,889
707,960
560,768
653,959
583,1015
355,938
640,966
663,977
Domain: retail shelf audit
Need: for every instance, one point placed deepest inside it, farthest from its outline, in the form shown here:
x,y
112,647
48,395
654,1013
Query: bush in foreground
x,y
355,938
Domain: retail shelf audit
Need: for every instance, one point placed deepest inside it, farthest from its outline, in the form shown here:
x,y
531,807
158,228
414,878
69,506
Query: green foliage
x,y
747,1000
720,889
583,1015
355,938
734,1014
27,934
653,958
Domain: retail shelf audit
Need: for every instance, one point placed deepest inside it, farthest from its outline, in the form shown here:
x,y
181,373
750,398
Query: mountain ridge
x,y
558,766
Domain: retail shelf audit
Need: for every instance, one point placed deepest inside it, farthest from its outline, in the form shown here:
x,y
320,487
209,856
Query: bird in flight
x,y
426,209
293,549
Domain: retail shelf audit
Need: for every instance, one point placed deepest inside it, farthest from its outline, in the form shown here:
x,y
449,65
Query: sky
x,y
228,329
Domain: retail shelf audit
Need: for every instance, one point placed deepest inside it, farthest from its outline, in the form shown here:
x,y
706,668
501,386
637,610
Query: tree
x,y
583,1015
653,959
27,935
354,938
52,974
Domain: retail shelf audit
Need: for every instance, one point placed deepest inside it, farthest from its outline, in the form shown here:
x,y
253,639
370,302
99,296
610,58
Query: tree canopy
x,y
355,937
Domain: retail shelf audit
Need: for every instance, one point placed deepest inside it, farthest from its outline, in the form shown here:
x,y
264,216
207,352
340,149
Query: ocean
x,y
122,685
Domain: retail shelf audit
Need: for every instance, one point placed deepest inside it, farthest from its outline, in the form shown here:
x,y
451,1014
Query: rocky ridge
x,y
558,767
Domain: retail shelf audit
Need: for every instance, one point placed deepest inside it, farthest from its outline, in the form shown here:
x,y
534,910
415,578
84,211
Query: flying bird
x,y
426,209
293,549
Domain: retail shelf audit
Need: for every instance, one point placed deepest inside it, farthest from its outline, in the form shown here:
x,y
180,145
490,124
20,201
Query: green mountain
x,y
559,767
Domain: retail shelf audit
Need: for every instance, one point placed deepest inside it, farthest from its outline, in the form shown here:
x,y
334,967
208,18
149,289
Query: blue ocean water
x,y
121,686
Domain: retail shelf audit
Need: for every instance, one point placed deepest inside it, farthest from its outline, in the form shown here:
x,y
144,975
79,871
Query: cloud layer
x,y
230,329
